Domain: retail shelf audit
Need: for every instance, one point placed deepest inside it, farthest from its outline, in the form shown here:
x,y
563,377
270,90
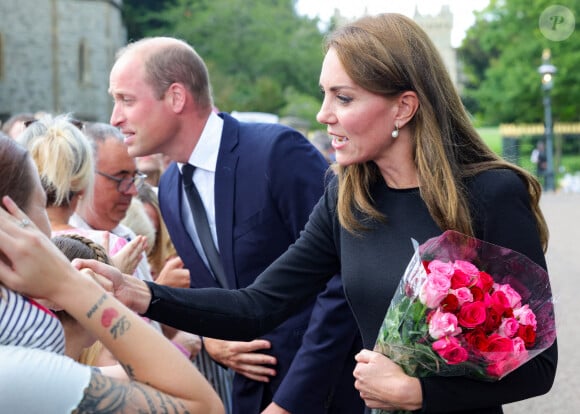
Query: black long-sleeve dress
x,y
371,265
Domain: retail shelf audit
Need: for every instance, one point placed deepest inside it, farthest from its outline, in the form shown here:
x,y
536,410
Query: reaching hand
x,y
173,274
131,291
242,357
127,259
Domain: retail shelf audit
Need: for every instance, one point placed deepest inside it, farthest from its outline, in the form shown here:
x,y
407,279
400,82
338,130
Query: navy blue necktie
x,y
202,226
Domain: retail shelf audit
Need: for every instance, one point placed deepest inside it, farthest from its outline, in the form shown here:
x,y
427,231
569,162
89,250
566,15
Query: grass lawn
x,y
568,163
492,137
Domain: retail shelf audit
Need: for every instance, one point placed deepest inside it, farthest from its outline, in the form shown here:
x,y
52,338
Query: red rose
x,y
477,339
477,293
450,303
492,320
528,335
460,279
499,347
450,350
484,282
471,314
499,302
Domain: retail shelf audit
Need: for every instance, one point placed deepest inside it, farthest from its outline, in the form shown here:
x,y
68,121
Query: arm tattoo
x,y
120,327
106,395
129,370
96,306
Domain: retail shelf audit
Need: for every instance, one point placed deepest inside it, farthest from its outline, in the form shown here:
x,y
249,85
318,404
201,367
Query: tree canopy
x,y
261,55
501,54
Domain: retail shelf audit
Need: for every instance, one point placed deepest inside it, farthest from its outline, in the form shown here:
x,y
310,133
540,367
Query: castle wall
x,y
56,56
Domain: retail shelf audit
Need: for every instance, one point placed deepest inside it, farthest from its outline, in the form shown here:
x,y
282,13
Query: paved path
x,y
562,213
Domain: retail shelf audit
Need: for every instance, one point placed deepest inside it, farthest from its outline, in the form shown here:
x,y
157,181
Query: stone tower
x,y
439,28
55,56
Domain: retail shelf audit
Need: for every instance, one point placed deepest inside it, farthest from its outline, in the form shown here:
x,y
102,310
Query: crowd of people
x,y
176,257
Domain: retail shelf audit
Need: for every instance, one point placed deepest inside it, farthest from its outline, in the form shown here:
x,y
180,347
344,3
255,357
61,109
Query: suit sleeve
x,y
321,373
503,216
296,174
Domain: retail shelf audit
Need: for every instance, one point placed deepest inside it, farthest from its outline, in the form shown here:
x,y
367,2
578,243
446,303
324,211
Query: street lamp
x,y
547,70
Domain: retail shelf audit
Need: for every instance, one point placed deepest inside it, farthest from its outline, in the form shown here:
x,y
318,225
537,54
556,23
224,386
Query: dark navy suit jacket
x,y
268,179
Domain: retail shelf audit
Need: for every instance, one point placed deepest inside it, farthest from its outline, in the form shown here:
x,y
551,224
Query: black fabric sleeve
x,y
293,279
503,216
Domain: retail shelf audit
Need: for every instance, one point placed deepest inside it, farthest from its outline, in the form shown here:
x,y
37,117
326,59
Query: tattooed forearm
x,y
120,327
129,370
96,306
106,395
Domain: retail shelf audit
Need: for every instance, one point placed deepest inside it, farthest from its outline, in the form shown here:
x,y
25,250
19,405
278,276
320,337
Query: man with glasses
x,y
116,183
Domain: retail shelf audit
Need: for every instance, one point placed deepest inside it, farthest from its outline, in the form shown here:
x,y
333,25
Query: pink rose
x,y
443,324
450,350
463,295
509,327
466,267
520,347
472,314
434,290
505,366
513,297
437,266
499,368
525,316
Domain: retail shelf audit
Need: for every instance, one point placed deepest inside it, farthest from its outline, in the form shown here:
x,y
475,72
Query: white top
x,y
204,159
36,381
26,323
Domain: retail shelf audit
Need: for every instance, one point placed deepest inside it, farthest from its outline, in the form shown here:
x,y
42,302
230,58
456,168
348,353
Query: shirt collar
x,y
205,153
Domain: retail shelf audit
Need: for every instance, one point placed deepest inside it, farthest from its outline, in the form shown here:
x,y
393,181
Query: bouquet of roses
x,y
465,307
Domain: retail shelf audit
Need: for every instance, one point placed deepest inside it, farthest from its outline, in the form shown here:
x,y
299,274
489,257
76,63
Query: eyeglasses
x,y
124,183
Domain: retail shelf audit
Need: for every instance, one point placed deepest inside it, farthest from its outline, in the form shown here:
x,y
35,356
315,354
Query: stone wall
x,y
56,56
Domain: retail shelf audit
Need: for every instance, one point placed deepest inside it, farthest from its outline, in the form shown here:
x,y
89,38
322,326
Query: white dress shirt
x,y
204,159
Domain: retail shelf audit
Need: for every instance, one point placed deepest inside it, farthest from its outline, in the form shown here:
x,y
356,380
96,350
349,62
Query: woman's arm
x,y
39,269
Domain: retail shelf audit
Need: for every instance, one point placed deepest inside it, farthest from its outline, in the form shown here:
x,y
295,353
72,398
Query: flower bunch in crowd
x,y
465,307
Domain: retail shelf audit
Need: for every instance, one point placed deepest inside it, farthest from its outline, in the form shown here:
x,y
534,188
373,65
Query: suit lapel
x,y
170,200
225,185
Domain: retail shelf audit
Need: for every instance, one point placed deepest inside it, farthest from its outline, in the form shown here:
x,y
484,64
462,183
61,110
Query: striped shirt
x,y
26,323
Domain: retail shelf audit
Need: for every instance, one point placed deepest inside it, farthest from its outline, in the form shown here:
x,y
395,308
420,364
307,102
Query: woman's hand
x,y
173,274
127,259
383,384
131,291
35,266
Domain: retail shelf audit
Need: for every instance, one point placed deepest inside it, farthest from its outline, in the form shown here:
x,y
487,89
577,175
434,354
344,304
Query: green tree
x,y
142,16
501,53
255,49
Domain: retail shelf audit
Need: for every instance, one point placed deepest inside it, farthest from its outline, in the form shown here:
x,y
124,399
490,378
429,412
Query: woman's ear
x,y
408,103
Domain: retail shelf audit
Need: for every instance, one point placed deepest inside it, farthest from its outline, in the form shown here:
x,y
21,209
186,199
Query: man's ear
x,y
408,103
176,96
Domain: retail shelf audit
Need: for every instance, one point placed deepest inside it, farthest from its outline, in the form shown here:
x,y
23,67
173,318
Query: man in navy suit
x,y
258,184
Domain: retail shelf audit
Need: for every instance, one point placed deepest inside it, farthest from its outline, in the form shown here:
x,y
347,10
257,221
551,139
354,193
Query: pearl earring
x,y
395,132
